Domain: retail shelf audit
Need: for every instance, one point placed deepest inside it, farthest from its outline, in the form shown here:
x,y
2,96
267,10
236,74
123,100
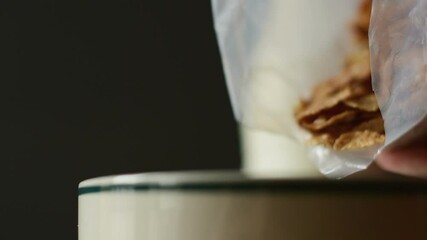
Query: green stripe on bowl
x,y
344,187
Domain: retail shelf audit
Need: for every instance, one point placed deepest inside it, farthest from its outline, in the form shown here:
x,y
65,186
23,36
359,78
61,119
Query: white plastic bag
x,y
274,51
398,44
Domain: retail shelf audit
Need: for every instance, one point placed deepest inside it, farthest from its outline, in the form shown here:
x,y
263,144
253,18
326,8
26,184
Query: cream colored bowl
x,y
234,206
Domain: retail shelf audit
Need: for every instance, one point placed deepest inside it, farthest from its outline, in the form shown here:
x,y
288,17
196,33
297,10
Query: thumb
x,y
409,161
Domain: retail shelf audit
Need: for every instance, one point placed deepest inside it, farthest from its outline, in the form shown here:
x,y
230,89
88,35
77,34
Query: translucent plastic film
x,y
275,51
398,44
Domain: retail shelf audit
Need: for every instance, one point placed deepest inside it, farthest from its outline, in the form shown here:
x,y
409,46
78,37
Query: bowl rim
x,y
238,181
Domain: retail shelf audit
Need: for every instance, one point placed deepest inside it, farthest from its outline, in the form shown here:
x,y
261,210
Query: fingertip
x,y
387,161
409,162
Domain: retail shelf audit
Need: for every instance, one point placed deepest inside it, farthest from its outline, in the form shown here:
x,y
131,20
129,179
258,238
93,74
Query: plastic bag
x,y
398,45
274,52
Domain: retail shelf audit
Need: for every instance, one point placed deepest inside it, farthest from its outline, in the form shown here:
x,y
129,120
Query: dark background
x,y
92,88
